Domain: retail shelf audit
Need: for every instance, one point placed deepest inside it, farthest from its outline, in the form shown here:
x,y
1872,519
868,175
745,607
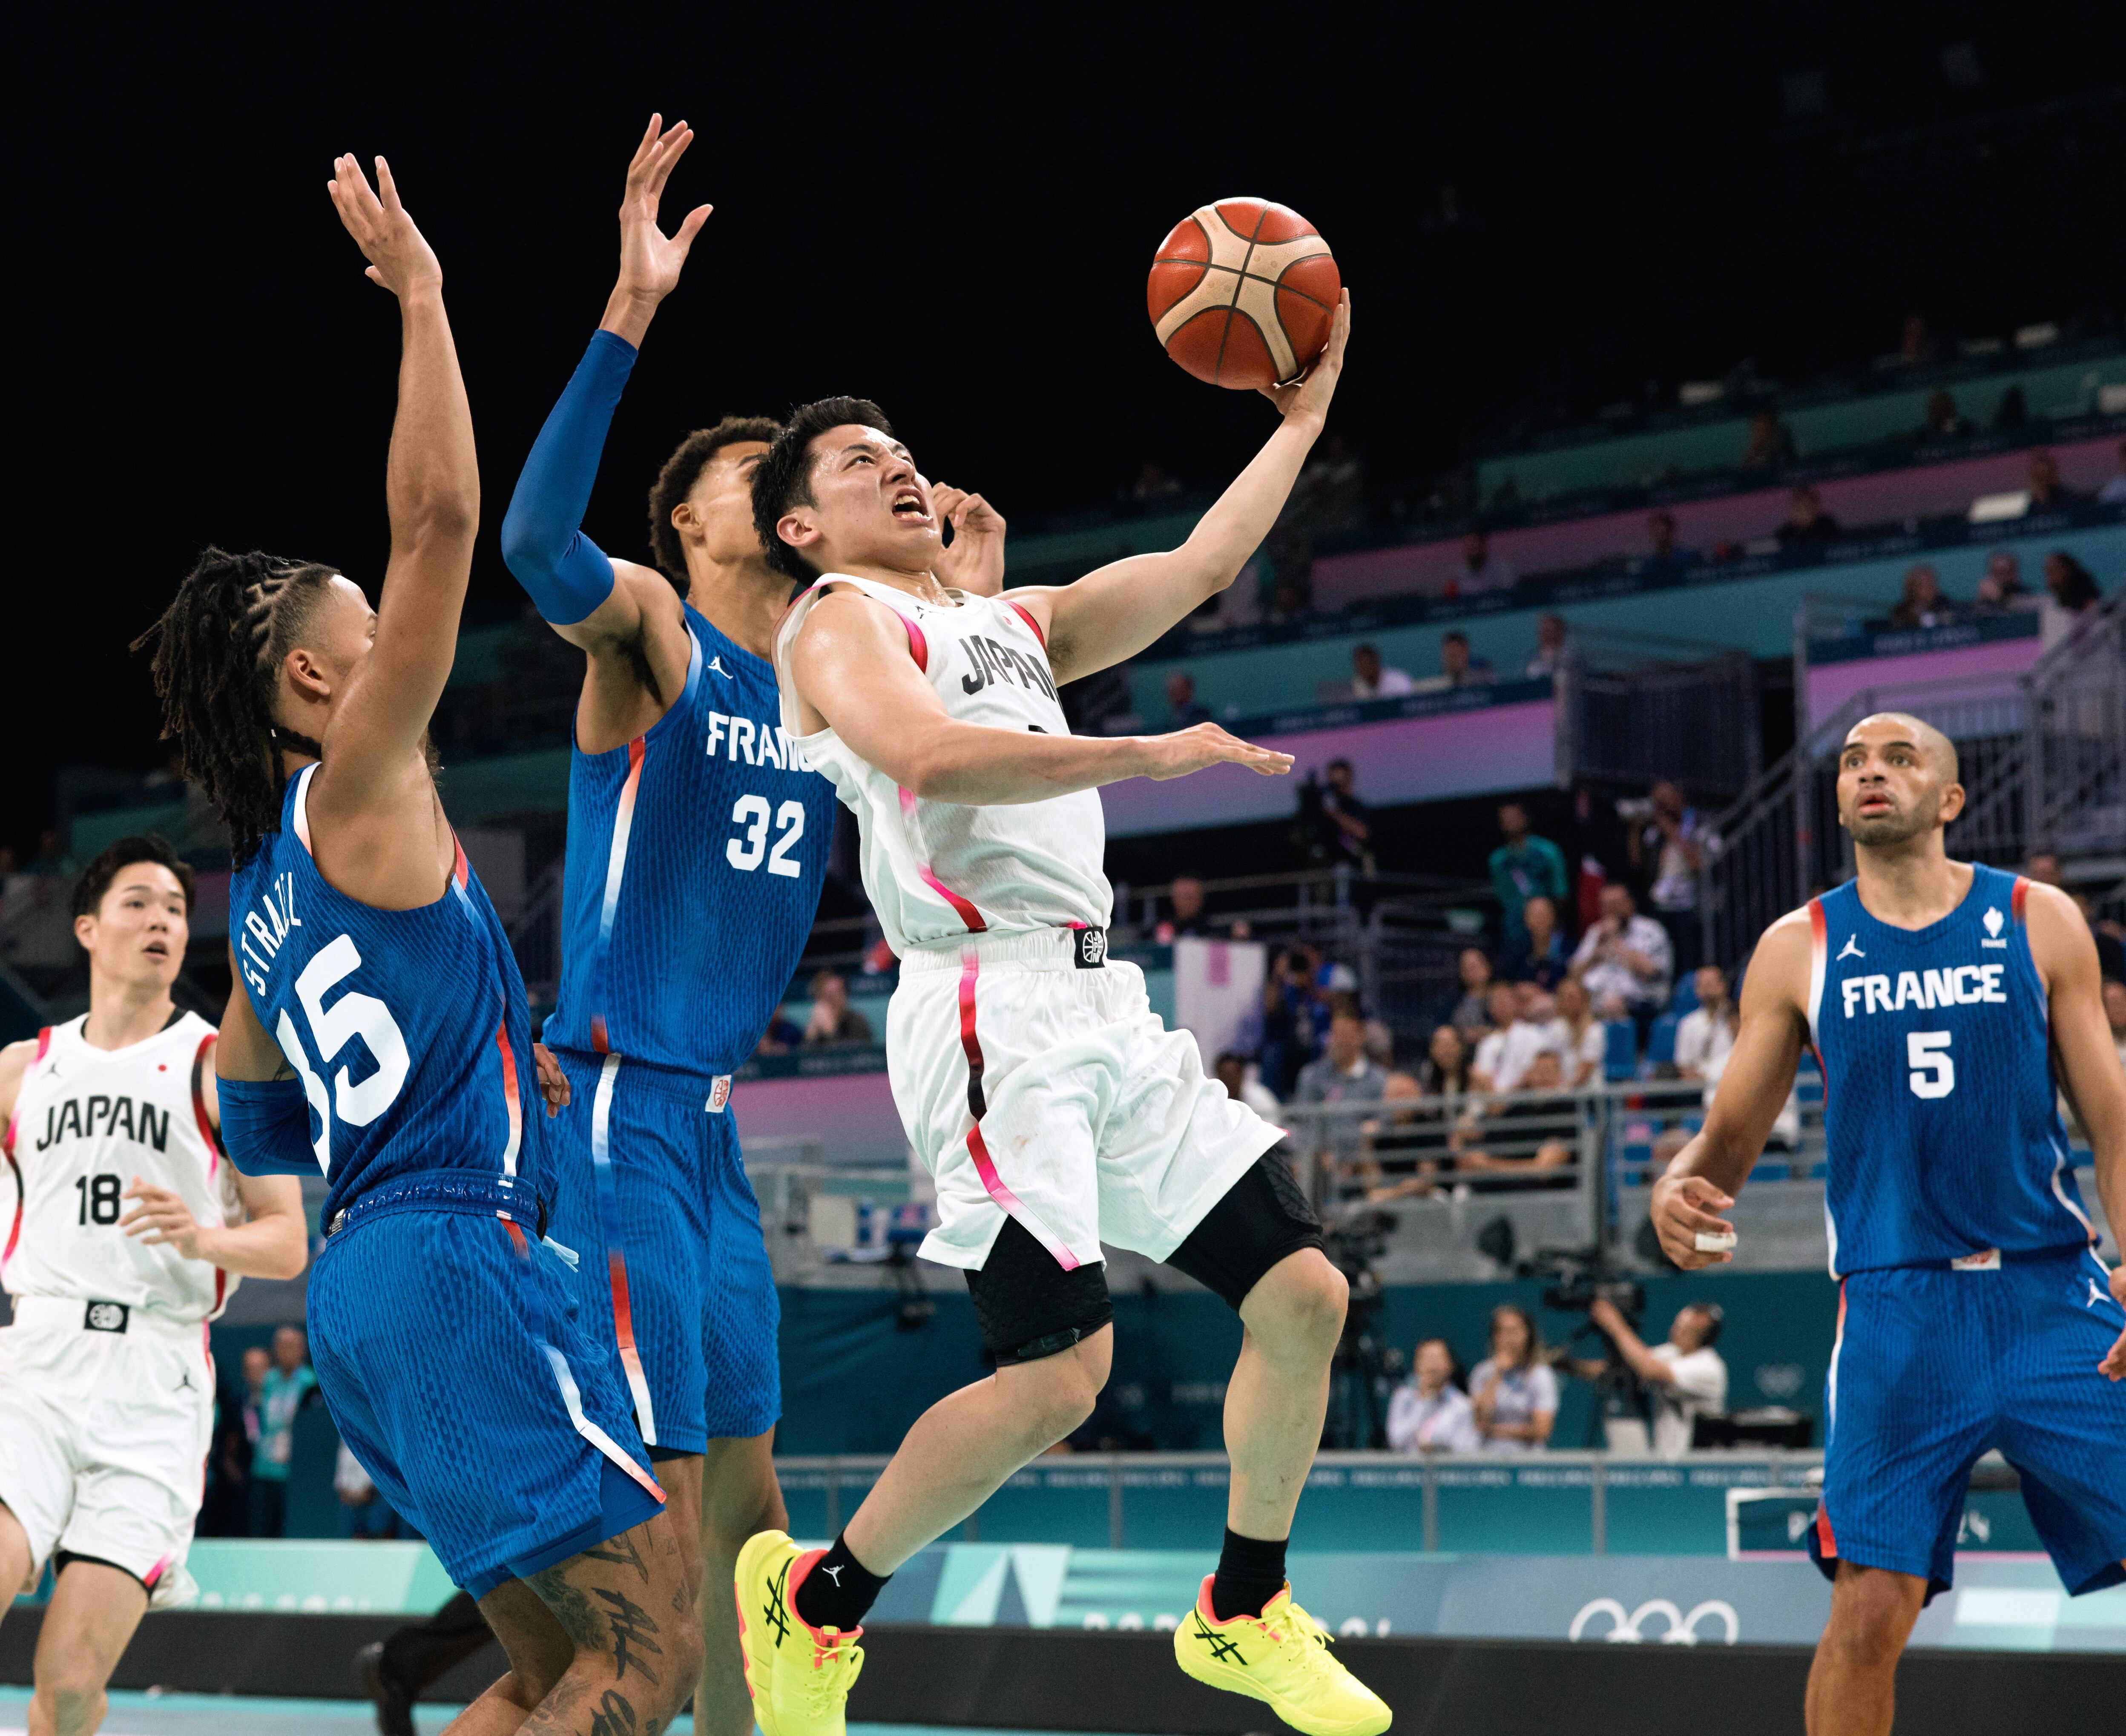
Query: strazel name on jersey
x,y
86,1121
939,871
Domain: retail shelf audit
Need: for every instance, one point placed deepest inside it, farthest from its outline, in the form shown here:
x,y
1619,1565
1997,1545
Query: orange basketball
x,y
1242,292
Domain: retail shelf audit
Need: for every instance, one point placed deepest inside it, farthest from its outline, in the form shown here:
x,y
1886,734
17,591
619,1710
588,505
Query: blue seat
x,y
1684,999
1620,1058
1660,1041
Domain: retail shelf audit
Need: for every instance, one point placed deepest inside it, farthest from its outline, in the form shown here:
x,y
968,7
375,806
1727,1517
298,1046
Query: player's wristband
x,y
566,575
265,1125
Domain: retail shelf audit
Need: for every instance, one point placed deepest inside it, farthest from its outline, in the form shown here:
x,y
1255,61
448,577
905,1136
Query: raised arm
x,y
1753,1089
1114,612
432,490
851,666
607,607
2088,1061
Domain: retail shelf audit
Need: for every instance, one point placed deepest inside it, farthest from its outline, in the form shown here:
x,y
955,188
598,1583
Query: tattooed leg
x,y
628,1609
539,1650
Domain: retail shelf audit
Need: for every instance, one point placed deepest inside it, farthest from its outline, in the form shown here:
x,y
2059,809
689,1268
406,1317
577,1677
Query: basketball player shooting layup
x,y
1943,1000
1053,1108
697,845
106,1381
444,1328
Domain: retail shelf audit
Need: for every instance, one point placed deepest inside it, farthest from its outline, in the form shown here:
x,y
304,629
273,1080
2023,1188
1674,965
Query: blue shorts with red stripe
x,y
651,1192
1935,1367
449,1347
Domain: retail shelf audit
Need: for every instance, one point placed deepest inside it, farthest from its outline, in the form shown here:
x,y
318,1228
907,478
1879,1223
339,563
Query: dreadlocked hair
x,y
219,649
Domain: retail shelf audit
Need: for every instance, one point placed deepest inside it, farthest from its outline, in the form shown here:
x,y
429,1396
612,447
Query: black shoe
x,y
394,1698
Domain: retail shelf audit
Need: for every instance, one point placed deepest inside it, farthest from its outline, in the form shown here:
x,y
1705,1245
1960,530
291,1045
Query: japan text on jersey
x,y
1942,1135
695,856
408,1028
86,1121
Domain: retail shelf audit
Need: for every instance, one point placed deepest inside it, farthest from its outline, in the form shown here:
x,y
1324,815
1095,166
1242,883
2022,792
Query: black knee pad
x,y
1263,1218
1027,1306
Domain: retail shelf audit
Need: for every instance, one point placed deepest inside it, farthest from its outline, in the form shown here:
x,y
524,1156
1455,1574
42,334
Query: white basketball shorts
x,y
103,1450
1032,1088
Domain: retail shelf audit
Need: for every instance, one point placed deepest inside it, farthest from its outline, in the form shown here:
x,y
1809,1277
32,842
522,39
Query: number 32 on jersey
x,y
746,851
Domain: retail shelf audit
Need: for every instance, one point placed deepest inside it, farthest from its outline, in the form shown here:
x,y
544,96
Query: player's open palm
x,y
650,261
399,255
1309,394
1204,745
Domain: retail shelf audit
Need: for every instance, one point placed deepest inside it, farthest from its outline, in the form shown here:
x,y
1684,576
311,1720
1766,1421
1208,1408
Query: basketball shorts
x,y
1933,1367
449,1346
652,1194
1035,1088
104,1442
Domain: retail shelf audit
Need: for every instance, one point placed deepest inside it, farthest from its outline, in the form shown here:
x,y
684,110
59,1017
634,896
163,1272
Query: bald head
x,y
1883,727
1896,780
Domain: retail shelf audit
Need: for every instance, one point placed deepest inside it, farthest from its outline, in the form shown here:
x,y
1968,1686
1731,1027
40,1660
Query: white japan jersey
x,y
939,871
86,1121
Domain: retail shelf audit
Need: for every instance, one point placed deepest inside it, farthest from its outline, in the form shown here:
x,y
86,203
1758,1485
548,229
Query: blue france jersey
x,y
695,858
1939,1105
408,1029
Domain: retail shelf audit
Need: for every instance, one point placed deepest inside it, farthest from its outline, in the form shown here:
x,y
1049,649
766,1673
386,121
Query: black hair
x,y
95,878
681,470
219,648
1456,636
2082,589
783,479
1716,1317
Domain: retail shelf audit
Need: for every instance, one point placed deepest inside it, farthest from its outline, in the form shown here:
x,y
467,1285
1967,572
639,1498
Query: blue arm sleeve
x,y
565,573
265,1125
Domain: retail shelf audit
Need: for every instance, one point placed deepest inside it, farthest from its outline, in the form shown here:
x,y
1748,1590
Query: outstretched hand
x,y
1309,394
399,257
1203,744
650,261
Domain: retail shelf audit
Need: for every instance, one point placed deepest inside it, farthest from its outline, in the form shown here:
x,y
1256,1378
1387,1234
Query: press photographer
x,y
1684,1378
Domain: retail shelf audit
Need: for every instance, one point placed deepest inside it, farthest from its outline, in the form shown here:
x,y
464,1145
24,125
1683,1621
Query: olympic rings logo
x,y
1682,1629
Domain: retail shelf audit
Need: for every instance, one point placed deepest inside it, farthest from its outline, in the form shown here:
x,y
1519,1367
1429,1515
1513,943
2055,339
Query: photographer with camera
x,y
1685,1378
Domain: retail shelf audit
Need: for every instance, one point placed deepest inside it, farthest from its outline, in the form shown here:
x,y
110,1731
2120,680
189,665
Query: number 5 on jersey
x,y
744,853
1933,1074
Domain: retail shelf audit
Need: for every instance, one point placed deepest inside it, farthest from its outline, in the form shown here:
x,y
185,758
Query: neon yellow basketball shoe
x,y
799,1676
1280,1657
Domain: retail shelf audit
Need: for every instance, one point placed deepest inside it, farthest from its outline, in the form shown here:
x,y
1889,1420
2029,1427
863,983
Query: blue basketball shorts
x,y
1935,1367
652,1192
449,1346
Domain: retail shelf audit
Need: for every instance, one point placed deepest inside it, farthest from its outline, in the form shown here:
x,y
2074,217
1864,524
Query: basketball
x,y
1242,292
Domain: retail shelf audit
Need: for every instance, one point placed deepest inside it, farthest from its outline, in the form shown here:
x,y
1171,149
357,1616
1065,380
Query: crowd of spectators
x,y
2064,605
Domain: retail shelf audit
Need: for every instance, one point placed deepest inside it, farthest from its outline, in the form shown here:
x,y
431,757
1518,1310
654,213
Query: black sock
x,y
1251,1572
840,1590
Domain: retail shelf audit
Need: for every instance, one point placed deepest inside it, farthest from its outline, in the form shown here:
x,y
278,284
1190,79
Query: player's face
x,y
139,932
870,506
340,629
718,511
1891,787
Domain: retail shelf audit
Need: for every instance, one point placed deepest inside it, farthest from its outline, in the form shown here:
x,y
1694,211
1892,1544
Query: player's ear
x,y
794,528
1952,803
84,927
307,673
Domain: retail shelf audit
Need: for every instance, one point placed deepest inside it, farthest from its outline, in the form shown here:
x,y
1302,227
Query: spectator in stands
x,y
1670,849
1919,345
1669,557
1242,1084
1480,570
1506,1057
1471,1015
1551,634
1502,1003
365,1514
2048,493
1524,867
1541,1115
1184,911
2114,1013
834,1019
1343,1081
1352,839
783,1035
1770,445
1371,680
285,1386
1444,1071
1706,1033
1543,959
1625,959
1181,702
1923,604
1428,1413
1400,1148
2002,588
2114,491
1513,1392
1457,667
1807,523
2071,586
1583,1042
51,857
1685,1377
1288,1023
1943,422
